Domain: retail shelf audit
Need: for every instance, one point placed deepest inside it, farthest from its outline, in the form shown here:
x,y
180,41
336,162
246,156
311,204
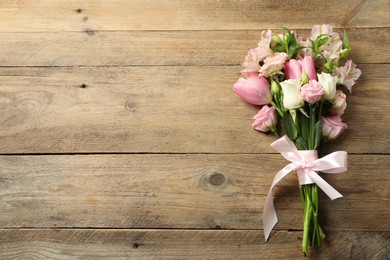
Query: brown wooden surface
x,y
183,244
121,110
74,15
180,191
151,48
120,137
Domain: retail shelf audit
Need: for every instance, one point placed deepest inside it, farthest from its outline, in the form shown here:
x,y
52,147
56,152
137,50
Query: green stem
x,y
277,107
307,219
311,141
302,197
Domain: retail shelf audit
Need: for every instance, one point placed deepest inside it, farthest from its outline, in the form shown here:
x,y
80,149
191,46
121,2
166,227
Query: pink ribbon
x,y
307,164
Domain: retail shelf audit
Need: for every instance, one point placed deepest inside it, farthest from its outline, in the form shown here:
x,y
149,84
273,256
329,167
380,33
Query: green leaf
x,y
346,41
322,39
317,133
278,48
288,126
304,125
301,143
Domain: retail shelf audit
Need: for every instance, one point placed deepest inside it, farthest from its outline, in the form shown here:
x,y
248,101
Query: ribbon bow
x,y
307,164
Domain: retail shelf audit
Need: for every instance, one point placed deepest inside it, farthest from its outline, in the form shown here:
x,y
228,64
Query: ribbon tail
x,y
325,187
269,213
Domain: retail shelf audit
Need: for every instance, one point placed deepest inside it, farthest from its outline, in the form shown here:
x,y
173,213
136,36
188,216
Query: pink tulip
x,y
312,91
308,67
265,119
332,127
254,89
293,68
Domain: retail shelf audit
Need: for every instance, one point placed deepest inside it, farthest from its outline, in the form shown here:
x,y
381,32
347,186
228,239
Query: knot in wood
x,y
217,179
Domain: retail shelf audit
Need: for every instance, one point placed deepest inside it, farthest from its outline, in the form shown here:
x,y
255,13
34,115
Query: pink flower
x,y
332,127
266,38
332,48
254,89
265,119
320,29
312,91
273,63
348,74
293,68
254,56
252,60
339,104
308,67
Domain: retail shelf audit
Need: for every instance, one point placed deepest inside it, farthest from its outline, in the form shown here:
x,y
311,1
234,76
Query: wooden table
x,y
120,136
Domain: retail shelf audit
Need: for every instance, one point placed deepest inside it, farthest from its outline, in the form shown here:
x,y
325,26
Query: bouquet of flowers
x,y
297,81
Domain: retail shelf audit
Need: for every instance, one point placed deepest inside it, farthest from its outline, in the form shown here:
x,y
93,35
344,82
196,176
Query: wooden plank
x,y
181,191
160,109
184,244
74,15
125,48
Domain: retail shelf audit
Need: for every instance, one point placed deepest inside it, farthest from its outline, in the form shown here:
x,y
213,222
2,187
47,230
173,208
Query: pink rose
x,y
254,89
273,63
348,74
293,68
339,104
312,91
332,127
265,119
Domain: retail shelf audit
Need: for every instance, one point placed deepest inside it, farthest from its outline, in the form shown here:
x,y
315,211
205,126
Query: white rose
x,y
328,82
292,94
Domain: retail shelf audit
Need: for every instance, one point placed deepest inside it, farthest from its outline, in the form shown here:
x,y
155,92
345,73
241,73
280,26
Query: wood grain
x,y
183,244
75,15
120,137
160,109
180,191
129,48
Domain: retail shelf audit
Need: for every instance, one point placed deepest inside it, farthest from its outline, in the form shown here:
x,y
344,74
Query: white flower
x,y
328,82
292,94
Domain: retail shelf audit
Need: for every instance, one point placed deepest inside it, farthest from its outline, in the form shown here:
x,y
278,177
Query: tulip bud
x,y
304,78
293,114
275,89
344,53
286,37
277,39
